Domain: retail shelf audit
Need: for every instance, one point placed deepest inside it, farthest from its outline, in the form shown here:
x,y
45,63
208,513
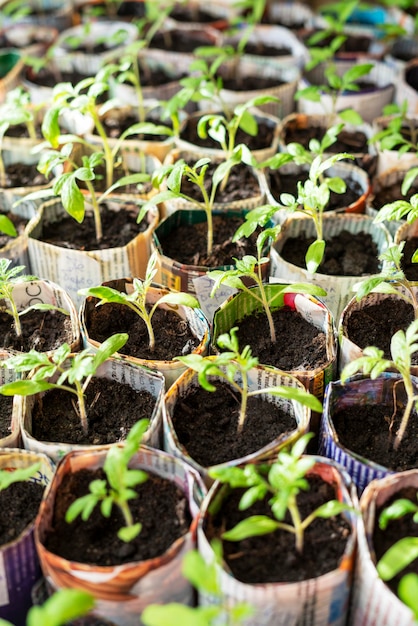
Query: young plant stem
x,y
106,148
96,210
407,412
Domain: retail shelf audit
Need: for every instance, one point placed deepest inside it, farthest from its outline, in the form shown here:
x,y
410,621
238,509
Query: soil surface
x,y
160,506
206,424
410,268
6,407
390,193
115,125
41,330
187,244
179,40
281,182
263,138
250,83
364,429
112,409
272,557
306,350
345,254
23,175
173,336
347,141
119,227
19,505
374,325
396,529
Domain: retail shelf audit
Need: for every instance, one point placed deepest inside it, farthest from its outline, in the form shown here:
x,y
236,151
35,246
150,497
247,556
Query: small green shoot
x,y
233,367
118,489
250,267
73,371
62,607
18,475
137,299
282,481
403,345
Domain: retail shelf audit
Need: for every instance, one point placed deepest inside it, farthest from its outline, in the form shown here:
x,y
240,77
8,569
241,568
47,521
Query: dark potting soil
x,y
6,406
347,141
299,345
19,505
41,330
48,78
206,424
393,192
119,227
374,325
19,224
23,175
153,77
115,125
263,138
187,244
112,409
173,336
160,506
179,40
251,83
345,254
241,184
410,268
266,50
396,529
273,557
411,76
364,429
281,182
191,14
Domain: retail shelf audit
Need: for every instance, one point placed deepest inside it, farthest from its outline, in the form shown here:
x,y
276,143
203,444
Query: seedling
x,y
403,345
118,488
9,278
391,280
173,175
249,268
73,372
204,577
18,475
233,367
137,299
62,607
282,481
401,554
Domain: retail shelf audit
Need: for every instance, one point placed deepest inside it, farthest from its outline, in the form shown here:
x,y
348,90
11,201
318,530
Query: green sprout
x,y
62,607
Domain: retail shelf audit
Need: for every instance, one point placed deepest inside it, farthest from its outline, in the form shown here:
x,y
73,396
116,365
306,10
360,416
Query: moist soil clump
x,y
307,349
365,431
23,175
263,138
41,330
273,557
206,425
6,407
112,409
391,193
251,83
173,336
410,268
345,254
119,227
396,529
160,506
179,41
19,505
375,325
187,244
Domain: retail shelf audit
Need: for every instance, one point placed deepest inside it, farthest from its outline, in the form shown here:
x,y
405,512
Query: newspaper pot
x,y
321,600
30,39
123,591
89,63
284,79
245,204
373,601
43,291
55,13
259,377
265,121
194,318
407,86
300,123
137,377
19,560
172,273
7,375
76,269
357,391
349,350
368,102
240,305
339,288
388,159
11,65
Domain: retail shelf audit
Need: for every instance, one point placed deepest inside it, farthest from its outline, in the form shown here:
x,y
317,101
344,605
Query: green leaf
x,y
396,510
409,178
399,556
25,387
315,255
7,227
73,200
128,533
179,614
253,526
299,395
350,117
331,508
199,573
108,347
63,606
408,592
